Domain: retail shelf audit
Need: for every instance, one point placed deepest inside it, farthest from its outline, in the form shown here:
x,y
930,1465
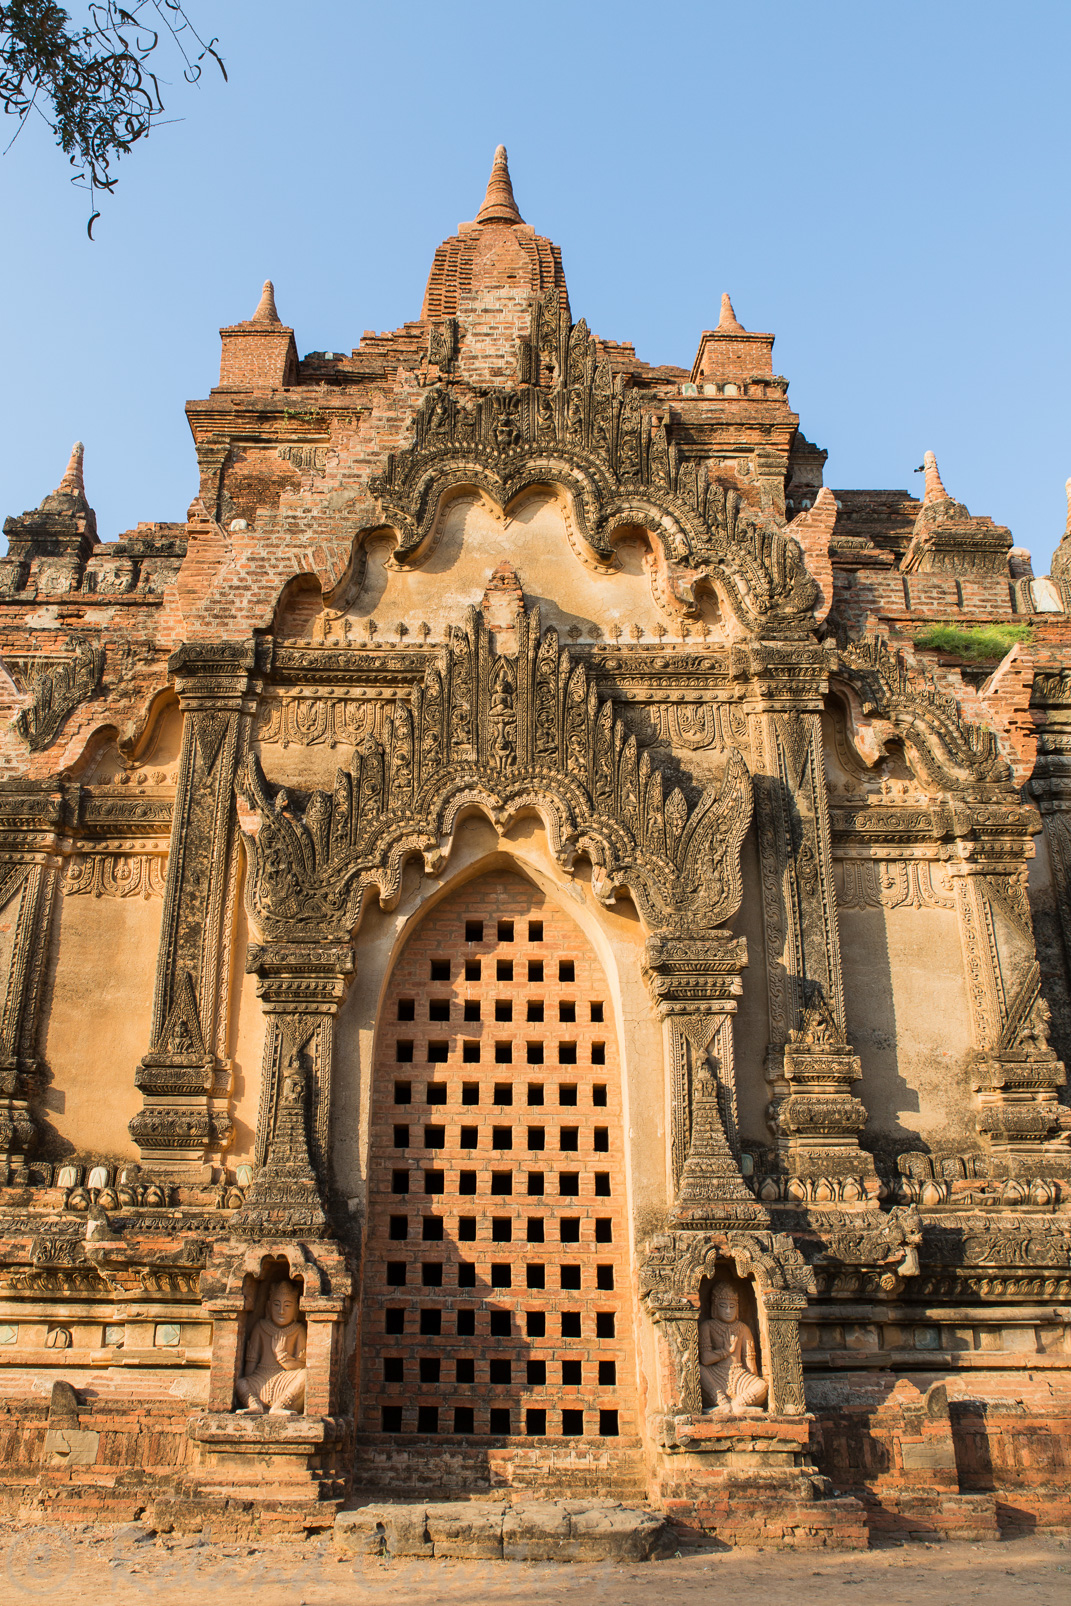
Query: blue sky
x,y
884,186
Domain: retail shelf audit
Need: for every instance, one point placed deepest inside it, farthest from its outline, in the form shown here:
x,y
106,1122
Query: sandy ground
x,y
105,1565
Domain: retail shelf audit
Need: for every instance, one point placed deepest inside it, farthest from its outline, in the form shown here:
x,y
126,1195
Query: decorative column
x,y
185,1076
30,884
810,1065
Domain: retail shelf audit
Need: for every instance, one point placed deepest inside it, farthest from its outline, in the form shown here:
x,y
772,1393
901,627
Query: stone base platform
x,y
479,1530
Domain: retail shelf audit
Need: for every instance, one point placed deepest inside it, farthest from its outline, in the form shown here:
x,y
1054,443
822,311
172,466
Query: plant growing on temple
x,y
95,85
981,644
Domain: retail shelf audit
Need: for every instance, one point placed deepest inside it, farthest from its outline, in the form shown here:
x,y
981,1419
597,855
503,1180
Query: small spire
x,y
498,203
1067,488
728,323
935,491
72,483
266,311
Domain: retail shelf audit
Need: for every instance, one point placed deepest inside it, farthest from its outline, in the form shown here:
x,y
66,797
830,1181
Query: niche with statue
x,y
272,1379
731,1380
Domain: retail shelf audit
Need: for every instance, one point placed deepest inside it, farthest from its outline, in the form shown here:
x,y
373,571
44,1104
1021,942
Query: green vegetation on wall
x,y
976,643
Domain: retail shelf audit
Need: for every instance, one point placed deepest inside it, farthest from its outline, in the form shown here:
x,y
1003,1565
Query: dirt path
x,y
121,1565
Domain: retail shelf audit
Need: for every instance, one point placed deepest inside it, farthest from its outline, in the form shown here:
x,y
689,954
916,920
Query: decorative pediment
x,y
503,732
56,684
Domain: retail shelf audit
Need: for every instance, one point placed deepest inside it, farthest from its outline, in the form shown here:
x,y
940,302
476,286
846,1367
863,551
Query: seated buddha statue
x,y
274,1376
729,1377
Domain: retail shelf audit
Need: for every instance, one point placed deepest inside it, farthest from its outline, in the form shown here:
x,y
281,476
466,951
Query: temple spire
x,y
935,491
72,483
498,203
1067,526
266,310
728,323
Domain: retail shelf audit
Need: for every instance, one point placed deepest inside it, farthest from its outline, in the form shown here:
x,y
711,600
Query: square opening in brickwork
x,y
399,1182
407,1009
535,1009
500,1419
535,1323
504,1093
466,1229
570,1276
473,930
466,1274
433,1182
438,1053
570,1323
403,1052
501,1324
604,1277
505,931
391,1418
567,1010
608,1424
598,1053
535,1092
503,1009
572,1424
607,1374
465,1369
598,1095
396,1270
535,1229
472,1011
403,1092
501,1229
605,1324
430,1366
466,1182
504,969
569,1229
566,970
434,1137
572,1374
535,1183
470,1092
534,1053
503,1055
596,1012
401,1136
431,1229
466,1323
535,1373
567,1093
500,1371
393,1369
394,1320
604,1230
502,1137
438,1009
431,1323
569,1139
440,970
427,1419
567,1054
535,972
535,1422
535,931
470,1137
473,970
399,1226
435,1092
464,1419
535,1276
602,1184
502,1182
470,1055
600,1139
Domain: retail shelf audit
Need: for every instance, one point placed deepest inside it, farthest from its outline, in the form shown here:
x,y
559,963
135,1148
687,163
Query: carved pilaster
x,y
810,1064
780,1311
185,1076
29,890
302,987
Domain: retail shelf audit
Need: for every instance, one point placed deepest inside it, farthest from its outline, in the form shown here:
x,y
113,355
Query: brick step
x,y
493,1530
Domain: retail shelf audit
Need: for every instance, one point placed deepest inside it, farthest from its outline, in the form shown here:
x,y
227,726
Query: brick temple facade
x,y
513,867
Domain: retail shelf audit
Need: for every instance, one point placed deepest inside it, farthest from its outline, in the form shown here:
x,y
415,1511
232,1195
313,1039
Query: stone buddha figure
x,y
729,1377
274,1376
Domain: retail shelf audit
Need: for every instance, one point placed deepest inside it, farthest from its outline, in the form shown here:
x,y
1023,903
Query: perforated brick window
x,y
488,1287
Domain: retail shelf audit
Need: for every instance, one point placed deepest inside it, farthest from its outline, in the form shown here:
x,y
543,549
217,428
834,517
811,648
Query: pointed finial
x,y
728,323
72,483
935,491
1067,526
266,312
498,203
